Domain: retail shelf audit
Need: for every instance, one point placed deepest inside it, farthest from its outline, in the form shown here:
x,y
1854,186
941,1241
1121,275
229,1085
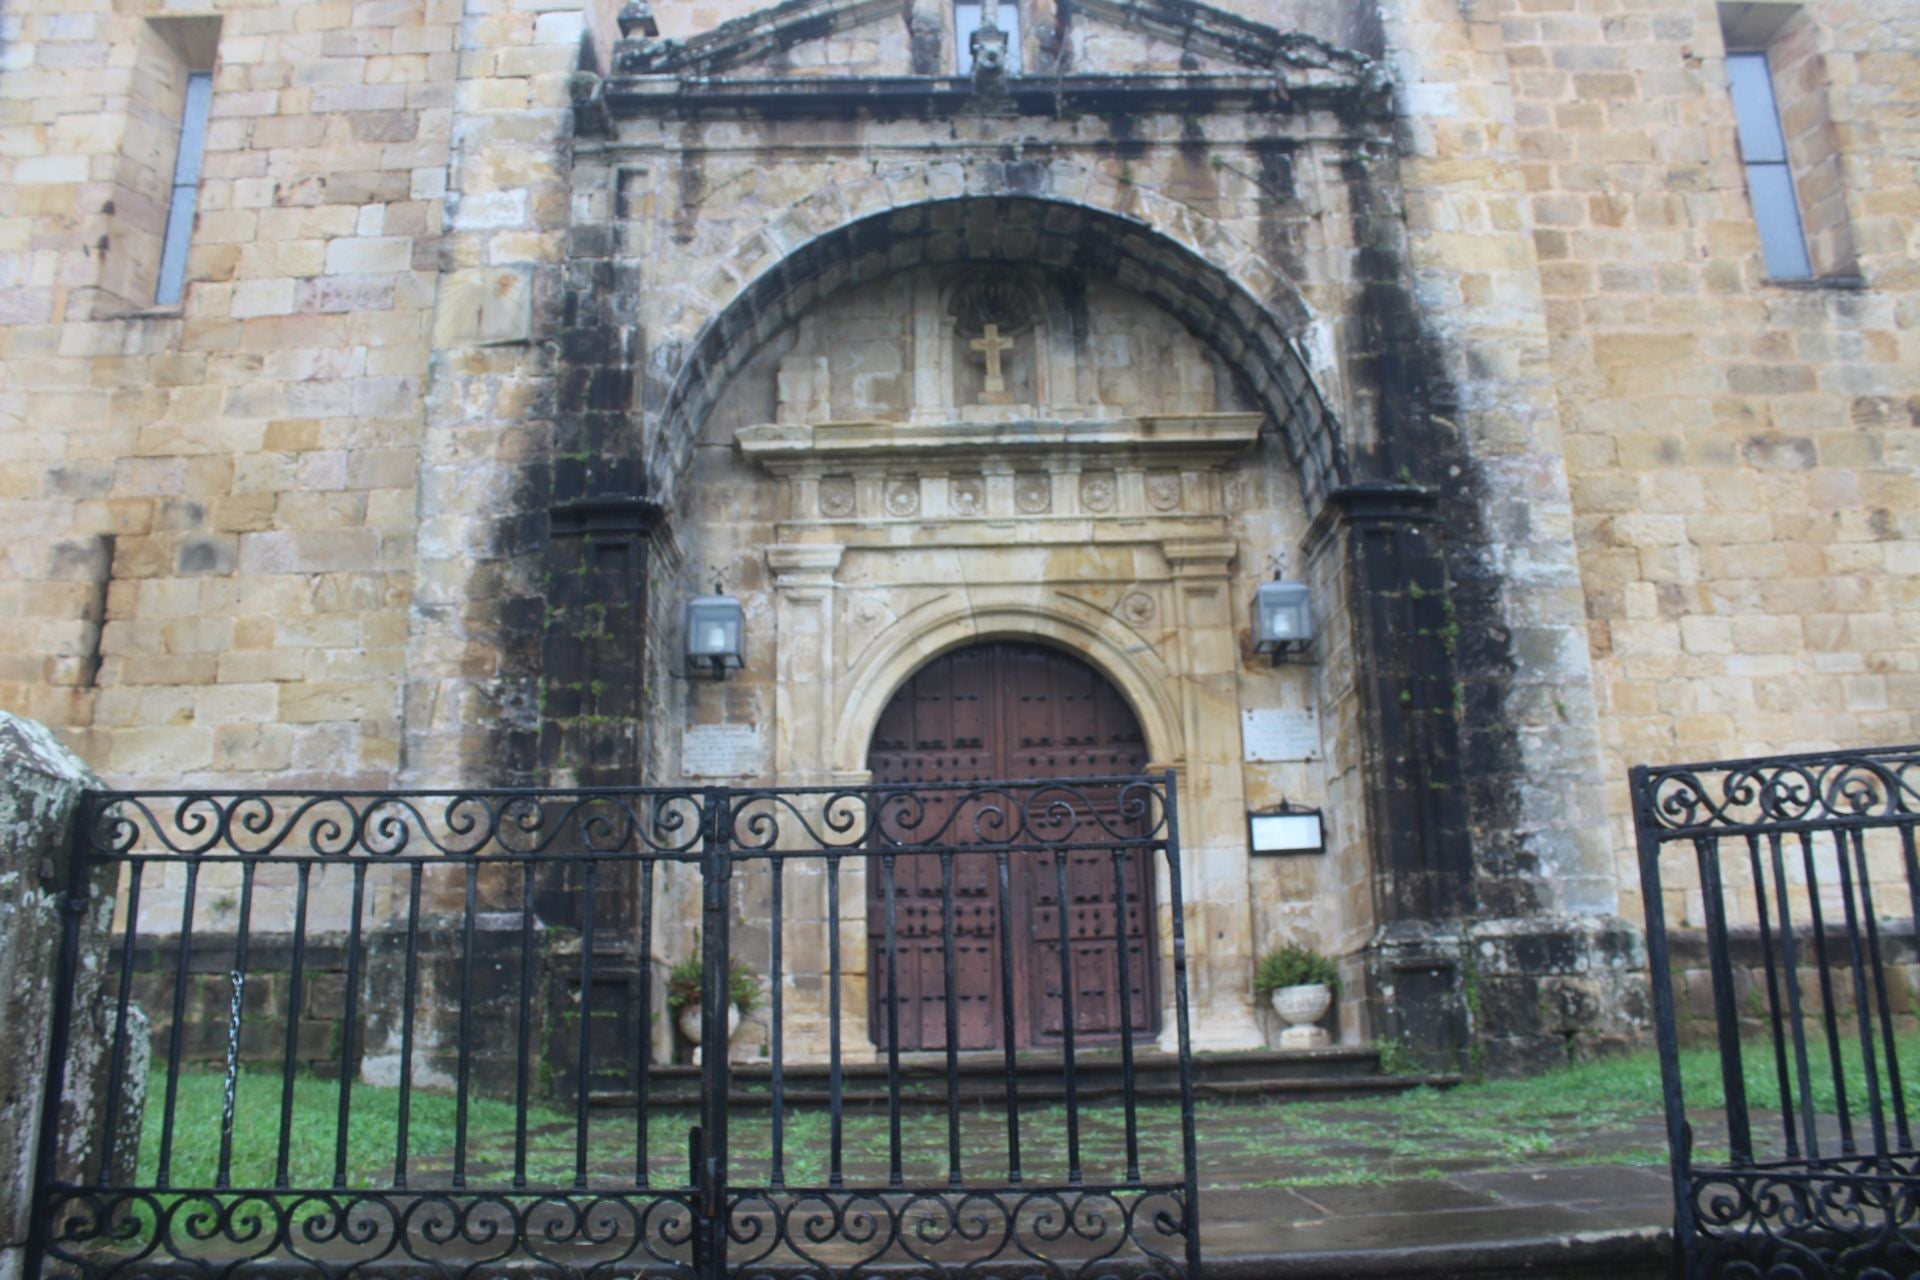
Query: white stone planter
x,y
693,1028
1301,1008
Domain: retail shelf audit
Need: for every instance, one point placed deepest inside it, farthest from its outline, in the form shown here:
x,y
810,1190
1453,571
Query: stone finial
x,y
637,15
988,44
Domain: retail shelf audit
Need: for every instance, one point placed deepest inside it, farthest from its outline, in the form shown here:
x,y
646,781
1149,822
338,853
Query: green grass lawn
x,y
1606,1112
372,1130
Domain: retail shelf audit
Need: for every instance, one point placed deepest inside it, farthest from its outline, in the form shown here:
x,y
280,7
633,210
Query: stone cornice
x,y
1186,441
851,96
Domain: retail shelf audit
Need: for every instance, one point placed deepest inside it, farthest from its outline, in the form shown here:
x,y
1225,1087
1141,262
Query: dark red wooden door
x,y
1014,711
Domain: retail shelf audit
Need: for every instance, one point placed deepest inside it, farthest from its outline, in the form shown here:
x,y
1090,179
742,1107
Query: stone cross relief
x,y
990,344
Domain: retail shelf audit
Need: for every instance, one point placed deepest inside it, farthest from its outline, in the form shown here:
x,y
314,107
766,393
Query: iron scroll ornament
x,y
1792,791
103,1234
1100,813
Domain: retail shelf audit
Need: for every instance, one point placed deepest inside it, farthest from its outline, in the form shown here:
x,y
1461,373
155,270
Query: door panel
x,y
1020,711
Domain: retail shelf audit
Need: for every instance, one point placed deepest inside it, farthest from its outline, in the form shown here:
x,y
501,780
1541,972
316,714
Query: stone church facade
x,y
505,329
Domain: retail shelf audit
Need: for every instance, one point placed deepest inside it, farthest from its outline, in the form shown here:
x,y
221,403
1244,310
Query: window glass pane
x,y
966,20
186,189
1781,241
173,253
1753,107
193,129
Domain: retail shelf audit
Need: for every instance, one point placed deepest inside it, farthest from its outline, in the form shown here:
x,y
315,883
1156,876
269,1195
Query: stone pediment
x,y
836,53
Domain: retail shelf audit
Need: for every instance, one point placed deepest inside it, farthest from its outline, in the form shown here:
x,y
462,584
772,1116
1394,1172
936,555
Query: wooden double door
x,y
1010,710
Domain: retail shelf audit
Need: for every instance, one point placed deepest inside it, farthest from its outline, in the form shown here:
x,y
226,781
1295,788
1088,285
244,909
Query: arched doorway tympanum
x,y
1011,710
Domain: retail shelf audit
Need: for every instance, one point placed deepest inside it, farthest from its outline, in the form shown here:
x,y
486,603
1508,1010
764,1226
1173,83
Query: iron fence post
x,y
73,908
716,870
1666,1032
1189,1149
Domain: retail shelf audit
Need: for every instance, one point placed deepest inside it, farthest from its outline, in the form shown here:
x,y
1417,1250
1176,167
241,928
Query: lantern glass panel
x,y
1283,616
714,628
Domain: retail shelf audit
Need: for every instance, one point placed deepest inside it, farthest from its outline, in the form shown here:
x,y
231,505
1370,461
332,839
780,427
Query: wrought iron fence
x,y
371,1052
1800,875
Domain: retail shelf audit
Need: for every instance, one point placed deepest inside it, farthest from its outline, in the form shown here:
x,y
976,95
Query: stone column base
x,y
1508,996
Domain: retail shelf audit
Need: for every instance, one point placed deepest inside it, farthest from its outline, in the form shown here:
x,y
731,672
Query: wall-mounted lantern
x,y
1282,618
1286,828
716,635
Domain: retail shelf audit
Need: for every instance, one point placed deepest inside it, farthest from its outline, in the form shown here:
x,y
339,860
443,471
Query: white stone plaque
x,y
721,751
1281,734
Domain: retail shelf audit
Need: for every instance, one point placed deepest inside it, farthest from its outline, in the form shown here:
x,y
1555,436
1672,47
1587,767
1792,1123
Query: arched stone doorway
x,y
1011,710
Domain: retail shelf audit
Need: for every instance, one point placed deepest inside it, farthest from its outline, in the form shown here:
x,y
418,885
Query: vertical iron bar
x,y
1773,995
716,965
643,1073
242,935
1189,1148
465,1068
290,1061
523,1050
1726,1011
1064,933
117,1062
1790,961
894,1178
1829,1019
1903,1133
835,1084
1862,1005
349,1019
583,1063
410,986
1121,934
952,1002
163,1178
1665,1029
1911,858
777,1172
1009,1047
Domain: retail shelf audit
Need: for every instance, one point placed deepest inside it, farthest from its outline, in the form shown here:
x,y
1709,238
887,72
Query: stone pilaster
x,y
803,648
1213,811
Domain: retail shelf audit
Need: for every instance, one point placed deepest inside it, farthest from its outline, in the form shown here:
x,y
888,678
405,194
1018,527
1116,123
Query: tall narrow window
x,y
1763,146
966,21
186,188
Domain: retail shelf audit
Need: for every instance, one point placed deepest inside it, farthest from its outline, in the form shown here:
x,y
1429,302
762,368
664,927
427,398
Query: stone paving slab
x,y
1558,1221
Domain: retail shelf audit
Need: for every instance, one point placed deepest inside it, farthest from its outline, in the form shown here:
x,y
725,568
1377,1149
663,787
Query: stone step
x,y
1317,1074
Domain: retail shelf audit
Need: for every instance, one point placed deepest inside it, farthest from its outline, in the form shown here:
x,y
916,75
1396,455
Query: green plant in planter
x,y
684,985
1293,966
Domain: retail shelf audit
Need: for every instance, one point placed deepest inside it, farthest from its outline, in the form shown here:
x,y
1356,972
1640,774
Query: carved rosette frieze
x,y
966,495
903,497
1098,491
1033,493
1163,490
836,497
1160,476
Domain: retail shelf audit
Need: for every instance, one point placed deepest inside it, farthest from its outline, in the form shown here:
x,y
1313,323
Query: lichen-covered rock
x,y
40,786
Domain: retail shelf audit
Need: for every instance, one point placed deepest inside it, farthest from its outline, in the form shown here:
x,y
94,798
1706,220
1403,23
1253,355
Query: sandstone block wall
x,y
1744,455
209,510
290,531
